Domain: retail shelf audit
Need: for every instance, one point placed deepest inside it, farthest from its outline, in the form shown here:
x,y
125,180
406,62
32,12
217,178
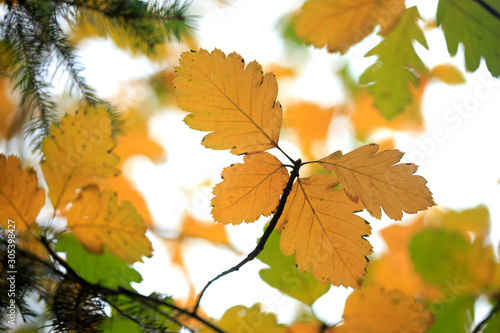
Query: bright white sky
x,y
456,152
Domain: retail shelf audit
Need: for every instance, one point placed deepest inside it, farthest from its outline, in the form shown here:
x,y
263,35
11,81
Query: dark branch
x,y
122,291
489,8
260,246
493,312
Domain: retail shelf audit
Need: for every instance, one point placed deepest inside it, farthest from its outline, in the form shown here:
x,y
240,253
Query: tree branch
x,y
493,312
489,8
260,246
122,291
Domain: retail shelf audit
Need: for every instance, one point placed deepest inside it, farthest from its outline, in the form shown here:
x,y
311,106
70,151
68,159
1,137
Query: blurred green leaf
x,y
119,325
448,259
453,314
284,275
397,66
104,269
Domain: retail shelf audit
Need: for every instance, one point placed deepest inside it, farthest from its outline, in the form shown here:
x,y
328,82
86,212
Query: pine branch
x,y
260,246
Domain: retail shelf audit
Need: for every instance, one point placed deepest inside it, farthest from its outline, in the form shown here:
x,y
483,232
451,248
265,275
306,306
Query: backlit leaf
x,y
454,314
7,110
446,258
378,182
20,197
311,123
339,24
242,319
319,226
249,189
237,104
470,23
212,232
104,269
284,275
448,73
374,310
397,67
97,220
78,153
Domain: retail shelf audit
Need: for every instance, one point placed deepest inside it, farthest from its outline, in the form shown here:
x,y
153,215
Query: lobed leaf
x,y
77,154
378,182
470,23
249,189
20,197
397,67
237,104
319,226
97,220
339,24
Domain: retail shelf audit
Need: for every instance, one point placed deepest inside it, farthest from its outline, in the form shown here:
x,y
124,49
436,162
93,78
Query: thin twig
x,y
489,8
260,246
493,312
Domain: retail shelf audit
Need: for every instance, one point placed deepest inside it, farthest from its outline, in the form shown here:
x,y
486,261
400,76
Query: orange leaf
x,y
78,153
339,24
374,310
20,197
213,232
249,189
311,123
319,226
135,140
237,104
7,110
128,192
97,220
375,180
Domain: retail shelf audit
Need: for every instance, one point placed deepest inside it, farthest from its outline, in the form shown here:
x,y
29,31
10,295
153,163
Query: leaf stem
x,y
260,246
493,312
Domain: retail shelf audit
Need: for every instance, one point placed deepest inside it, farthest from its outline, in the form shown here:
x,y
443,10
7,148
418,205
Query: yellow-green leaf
x,y
378,182
236,103
249,189
97,220
242,319
20,197
319,226
78,153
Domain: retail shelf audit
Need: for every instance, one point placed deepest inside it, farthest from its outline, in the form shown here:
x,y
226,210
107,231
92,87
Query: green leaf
x,y
454,314
397,66
284,275
119,325
493,324
448,259
104,269
472,24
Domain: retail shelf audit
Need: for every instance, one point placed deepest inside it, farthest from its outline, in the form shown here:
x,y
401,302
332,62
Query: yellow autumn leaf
x,y
7,110
378,182
339,24
97,220
78,153
249,189
212,232
374,310
20,197
447,73
242,319
236,103
319,226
